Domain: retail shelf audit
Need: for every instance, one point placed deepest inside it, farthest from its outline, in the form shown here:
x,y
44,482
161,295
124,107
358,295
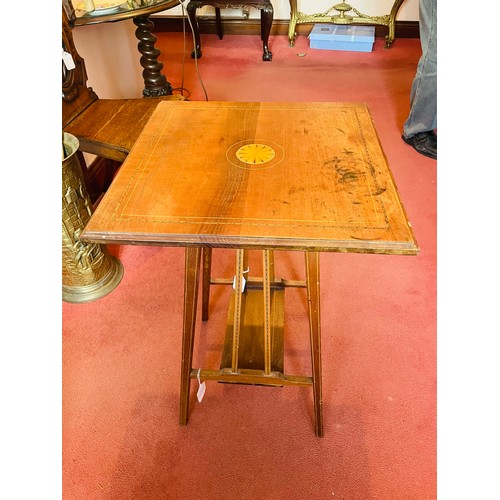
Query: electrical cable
x,y
184,17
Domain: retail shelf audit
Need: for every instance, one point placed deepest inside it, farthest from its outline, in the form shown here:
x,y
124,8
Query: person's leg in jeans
x,y
418,130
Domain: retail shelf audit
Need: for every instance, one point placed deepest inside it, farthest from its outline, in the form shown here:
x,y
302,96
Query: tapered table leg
x,y
191,280
207,272
313,302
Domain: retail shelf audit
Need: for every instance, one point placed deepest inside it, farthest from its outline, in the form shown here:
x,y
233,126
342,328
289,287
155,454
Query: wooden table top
x,y
124,11
289,176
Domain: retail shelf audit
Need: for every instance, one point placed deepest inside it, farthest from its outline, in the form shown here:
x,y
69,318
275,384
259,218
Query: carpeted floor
x,y
121,354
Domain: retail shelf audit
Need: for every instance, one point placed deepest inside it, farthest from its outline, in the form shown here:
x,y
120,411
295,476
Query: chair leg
x,y
218,21
191,11
266,21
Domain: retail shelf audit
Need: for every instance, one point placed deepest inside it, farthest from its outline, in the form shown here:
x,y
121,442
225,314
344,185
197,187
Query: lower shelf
x,y
251,362
251,337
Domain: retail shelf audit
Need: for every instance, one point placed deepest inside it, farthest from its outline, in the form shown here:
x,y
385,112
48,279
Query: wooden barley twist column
x,y
155,82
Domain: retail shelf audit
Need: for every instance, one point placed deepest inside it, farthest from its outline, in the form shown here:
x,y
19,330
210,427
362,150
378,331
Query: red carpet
x,y
121,354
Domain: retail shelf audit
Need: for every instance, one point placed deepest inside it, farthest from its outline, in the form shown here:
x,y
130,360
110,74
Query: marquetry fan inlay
x,y
255,154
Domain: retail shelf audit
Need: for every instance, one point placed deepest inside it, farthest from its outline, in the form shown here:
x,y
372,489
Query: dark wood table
x,y
308,177
155,82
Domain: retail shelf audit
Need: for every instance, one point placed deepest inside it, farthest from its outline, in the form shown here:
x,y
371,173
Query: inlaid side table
x,y
308,177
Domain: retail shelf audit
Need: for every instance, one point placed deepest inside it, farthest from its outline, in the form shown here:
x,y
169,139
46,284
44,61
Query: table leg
x,y
207,271
191,279
391,35
293,22
313,302
155,83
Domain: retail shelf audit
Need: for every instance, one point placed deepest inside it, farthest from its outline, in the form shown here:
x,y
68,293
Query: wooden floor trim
x,y
404,29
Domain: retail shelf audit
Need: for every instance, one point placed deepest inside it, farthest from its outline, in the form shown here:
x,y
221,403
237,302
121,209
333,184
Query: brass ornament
x,y
88,271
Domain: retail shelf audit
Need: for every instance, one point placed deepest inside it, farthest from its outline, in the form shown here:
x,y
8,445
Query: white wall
x,y
112,58
407,12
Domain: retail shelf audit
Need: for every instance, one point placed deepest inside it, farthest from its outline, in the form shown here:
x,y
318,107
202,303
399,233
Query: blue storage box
x,y
342,37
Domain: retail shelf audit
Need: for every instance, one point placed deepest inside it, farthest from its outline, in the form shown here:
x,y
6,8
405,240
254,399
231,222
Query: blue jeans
x,y
423,96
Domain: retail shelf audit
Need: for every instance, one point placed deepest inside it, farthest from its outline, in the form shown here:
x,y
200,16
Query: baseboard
x,y
404,29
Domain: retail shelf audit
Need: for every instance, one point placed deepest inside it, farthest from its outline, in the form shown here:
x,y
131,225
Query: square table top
x,y
290,176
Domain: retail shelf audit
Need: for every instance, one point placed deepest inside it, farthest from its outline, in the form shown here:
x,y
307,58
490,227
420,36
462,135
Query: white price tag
x,y
243,281
202,387
68,60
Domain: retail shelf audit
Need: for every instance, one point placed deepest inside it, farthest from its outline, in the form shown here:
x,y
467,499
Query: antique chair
x,y
106,128
266,21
